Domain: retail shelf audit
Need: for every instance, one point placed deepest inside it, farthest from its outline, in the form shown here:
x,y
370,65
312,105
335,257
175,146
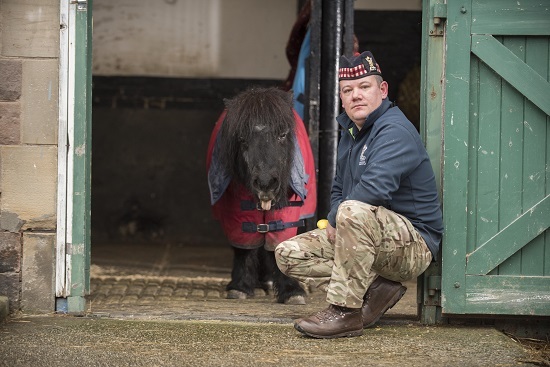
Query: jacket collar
x,y
344,120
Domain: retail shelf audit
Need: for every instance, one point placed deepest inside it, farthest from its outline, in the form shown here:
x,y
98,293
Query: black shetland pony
x,y
259,172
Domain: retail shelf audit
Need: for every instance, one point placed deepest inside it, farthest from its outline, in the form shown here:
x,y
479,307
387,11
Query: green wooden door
x,y
496,176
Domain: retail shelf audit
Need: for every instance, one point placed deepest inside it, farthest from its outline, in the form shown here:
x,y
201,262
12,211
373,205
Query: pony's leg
x,y
244,275
287,290
266,270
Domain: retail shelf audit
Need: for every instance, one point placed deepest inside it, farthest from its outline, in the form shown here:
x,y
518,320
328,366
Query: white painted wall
x,y
192,38
200,38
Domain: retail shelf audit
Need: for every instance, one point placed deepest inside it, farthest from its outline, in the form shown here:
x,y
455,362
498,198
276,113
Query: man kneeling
x,y
385,222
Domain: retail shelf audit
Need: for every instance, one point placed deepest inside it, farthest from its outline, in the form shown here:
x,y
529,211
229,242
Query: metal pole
x,y
331,49
314,85
348,25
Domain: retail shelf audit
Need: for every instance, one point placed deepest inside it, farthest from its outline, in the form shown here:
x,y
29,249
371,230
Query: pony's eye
x,y
283,136
243,142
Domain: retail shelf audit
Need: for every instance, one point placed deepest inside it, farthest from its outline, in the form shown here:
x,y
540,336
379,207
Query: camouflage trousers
x,y
370,241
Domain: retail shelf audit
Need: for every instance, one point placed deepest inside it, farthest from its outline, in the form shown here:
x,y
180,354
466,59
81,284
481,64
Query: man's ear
x,y
384,88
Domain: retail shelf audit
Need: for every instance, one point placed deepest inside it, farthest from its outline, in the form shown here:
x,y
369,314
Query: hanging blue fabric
x,y
299,83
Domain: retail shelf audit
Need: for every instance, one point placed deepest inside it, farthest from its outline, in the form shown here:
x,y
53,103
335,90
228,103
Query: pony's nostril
x,y
256,183
273,183
264,182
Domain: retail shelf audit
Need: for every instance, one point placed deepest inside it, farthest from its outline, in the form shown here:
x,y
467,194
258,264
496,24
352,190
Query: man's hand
x,y
331,233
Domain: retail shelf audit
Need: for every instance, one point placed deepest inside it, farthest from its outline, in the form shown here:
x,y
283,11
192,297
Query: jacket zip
x,y
350,168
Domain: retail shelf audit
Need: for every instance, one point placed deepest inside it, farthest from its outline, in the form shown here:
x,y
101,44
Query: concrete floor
x,y
92,341
166,306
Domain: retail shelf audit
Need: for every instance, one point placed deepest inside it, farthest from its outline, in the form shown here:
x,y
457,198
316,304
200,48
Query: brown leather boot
x,y
332,322
382,295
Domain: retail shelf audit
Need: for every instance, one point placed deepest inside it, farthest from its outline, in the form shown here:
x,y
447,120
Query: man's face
x,y
362,96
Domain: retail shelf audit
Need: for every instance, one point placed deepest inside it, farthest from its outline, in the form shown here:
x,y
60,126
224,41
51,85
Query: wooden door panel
x,y
510,17
512,69
517,296
496,180
510,239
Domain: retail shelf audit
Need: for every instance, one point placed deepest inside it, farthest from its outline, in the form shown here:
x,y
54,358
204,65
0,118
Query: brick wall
x,y
29,48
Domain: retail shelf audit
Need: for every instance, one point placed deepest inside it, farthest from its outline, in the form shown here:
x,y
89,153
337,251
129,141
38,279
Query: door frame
x,y
72,282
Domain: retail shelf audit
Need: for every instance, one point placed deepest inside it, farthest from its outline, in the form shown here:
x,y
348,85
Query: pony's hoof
x,y
235,294
268,287
295,300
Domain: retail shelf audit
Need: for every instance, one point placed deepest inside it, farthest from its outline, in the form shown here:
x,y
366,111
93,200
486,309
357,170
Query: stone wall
x,y
29,48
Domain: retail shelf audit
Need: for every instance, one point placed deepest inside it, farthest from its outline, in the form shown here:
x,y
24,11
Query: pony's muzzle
x,y
265,187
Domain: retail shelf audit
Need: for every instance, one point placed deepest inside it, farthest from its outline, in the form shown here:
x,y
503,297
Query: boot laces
x,y
367,297
329,314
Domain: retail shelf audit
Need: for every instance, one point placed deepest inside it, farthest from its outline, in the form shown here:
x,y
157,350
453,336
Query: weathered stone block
x,y
10,129
4,307
39,112
28,180
38,276
10,75
10,286
30,28
10,252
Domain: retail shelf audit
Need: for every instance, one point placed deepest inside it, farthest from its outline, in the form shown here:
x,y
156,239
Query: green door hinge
x,y
433,296
439,15
81,5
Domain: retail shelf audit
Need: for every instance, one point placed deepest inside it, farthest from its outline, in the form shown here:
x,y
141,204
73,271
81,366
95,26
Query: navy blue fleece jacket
x,y
386,164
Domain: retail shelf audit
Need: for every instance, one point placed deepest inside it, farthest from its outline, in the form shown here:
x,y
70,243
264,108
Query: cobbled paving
x,y
144,290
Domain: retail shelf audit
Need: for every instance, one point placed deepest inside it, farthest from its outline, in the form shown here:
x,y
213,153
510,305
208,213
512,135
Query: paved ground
x,y
175,283
158,307
49,341
147,298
